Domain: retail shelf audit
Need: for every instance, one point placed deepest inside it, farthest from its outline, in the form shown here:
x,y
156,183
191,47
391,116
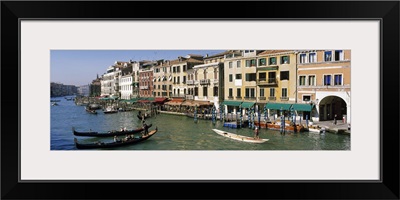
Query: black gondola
x,y
90,111
114,144
109,133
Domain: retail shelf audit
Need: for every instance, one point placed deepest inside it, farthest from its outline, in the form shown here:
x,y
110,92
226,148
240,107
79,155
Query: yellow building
x,y
324,81
276,80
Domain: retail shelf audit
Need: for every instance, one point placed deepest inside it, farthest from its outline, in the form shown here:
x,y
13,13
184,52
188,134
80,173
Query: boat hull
x,y
239,137
114,144
109,133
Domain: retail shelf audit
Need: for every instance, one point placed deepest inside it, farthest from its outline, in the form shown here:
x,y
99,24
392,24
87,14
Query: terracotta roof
x,y
268,52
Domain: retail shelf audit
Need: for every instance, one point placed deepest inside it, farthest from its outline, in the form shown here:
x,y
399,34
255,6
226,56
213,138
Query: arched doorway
x,y
330,106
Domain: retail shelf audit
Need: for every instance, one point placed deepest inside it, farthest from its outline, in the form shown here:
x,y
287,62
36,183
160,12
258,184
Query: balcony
x,y
250,98
262,98
230,97
284,98
189,97
204,81
238,98
268,82
272,98
190,82
145,87
216,81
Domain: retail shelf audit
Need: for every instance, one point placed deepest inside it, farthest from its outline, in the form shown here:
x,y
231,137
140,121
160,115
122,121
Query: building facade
x,y
324,81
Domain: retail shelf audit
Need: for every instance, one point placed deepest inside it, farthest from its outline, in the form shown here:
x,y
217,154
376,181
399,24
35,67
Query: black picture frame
x,y
386,11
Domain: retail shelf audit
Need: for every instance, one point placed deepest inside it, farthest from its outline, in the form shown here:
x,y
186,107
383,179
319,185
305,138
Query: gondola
x,y
109,133
124,142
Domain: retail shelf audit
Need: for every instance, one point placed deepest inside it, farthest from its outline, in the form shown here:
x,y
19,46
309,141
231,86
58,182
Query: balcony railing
x,y
230,97
216,81
284,98
269,81
190,82
144,87
204,81
262,98
272,98
189,97
250,98
238,98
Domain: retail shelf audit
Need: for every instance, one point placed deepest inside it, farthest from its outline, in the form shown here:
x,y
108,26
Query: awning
x,y
302,107
278,106
174,103
247,104
188,103
232,103
202,103
159,100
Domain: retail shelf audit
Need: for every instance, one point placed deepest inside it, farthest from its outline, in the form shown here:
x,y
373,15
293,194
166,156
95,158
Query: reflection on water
x,y
177,132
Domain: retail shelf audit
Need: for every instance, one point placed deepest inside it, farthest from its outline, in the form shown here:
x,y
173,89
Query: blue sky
x,y
80,67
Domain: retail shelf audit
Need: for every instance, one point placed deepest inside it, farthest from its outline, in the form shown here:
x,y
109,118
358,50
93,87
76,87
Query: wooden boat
x,y
110,110
315,129
124,142
54,104
277,126
91,111
239,137
109,133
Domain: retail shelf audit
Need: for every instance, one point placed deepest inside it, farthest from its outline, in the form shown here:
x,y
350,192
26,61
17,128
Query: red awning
x,y
159,100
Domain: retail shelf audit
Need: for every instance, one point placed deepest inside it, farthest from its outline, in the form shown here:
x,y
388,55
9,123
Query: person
x,y
115,138
334,120
146,128
256,133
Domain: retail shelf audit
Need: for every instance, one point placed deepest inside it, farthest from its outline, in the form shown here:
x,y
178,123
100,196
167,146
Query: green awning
x,y
232,103
150,98
302,107
247,104
278,106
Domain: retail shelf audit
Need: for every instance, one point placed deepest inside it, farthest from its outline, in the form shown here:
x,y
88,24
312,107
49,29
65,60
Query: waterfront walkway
x,y
340,127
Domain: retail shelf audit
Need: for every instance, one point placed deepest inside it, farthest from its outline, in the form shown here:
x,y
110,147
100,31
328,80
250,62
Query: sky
x,y
80,67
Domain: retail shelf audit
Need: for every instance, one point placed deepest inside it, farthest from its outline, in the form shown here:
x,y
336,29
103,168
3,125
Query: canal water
x,y
176,132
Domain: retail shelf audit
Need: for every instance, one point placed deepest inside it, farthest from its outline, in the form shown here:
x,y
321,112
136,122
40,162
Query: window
x,y
205,74
285,60
238,76
272,61
302,80
312,57
338,55
262,61
215,91
250,92
178,68
327,79
338,79
247,63
230,65
178,79
284,92
239,92
250,77
196,91
285,75
311,80
262,76
303,58
262,92
184,79
253,62
205,91
238,64
170,87
306,97
184,68
158,86
328,56
174,80
271,92
230,78
230,92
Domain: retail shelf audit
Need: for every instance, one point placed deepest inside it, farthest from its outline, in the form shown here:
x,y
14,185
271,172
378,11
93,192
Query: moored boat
x,y
239,137
118,143
109,133
277,126
110,110
90,111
